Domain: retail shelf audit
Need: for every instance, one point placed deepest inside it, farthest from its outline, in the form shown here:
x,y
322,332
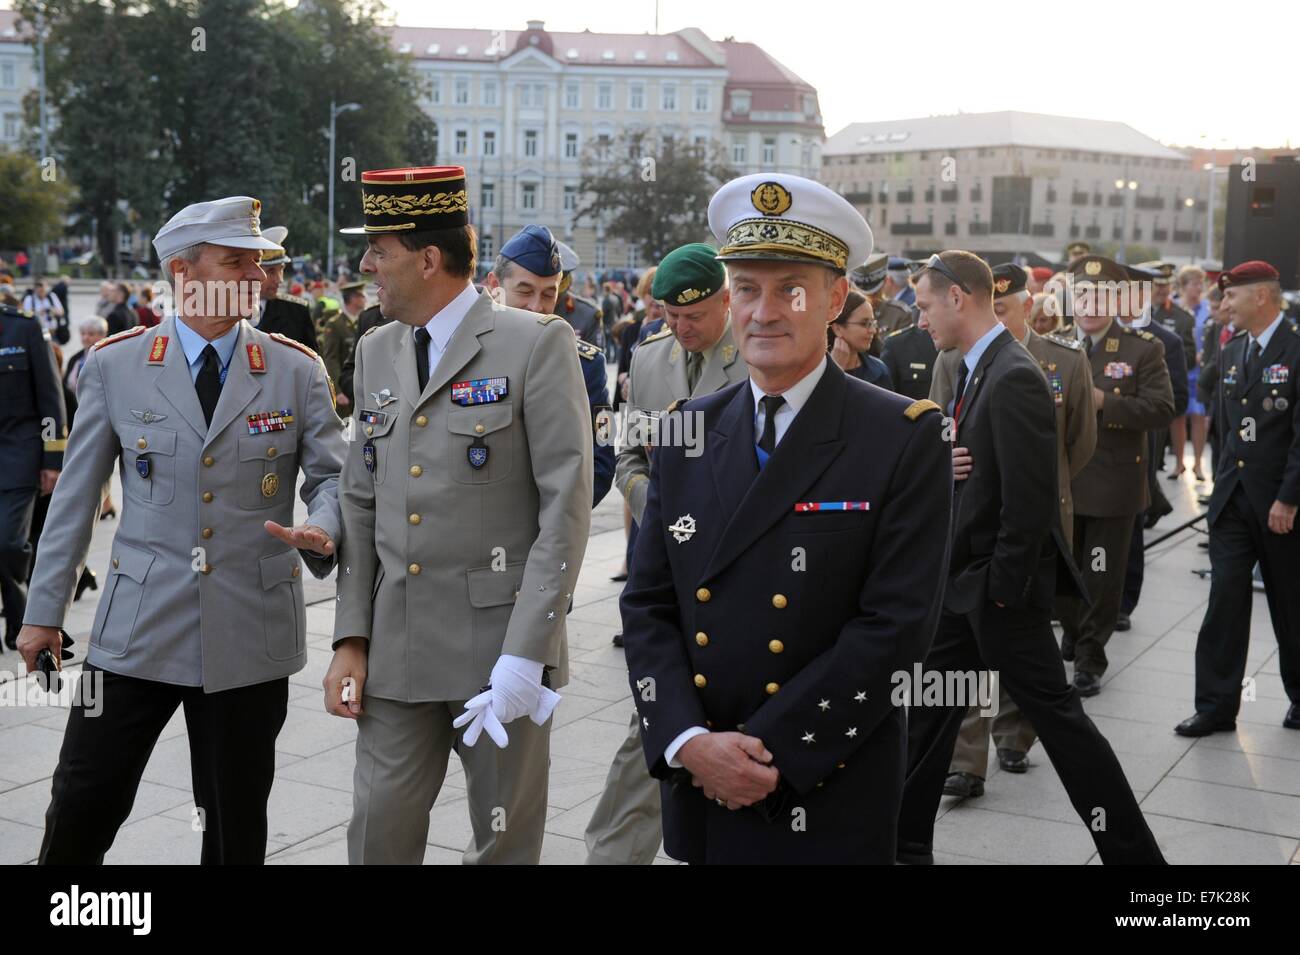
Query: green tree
x,y
33,207
653,194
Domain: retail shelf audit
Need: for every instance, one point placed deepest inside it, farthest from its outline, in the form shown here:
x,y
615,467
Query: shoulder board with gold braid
x,y
663,333
1072,343
918,408
285,340
899,331
1146,336
119,337
296,299
676,405
587,350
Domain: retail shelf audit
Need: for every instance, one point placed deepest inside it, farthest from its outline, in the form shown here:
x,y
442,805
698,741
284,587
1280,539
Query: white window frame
x,y
571,140
489,92
605,96
701,93
527,190
573,96
668,91
461,91
489,142
487,195
636,97
532,143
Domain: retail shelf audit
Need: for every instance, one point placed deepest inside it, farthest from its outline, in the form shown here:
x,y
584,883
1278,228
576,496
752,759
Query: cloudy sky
x,y
1189,73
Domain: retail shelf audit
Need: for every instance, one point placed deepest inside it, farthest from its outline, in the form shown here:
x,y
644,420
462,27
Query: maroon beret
x,y
1248,273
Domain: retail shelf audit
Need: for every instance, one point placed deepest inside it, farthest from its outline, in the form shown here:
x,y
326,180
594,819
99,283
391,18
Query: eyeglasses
x,y
863,324
936,263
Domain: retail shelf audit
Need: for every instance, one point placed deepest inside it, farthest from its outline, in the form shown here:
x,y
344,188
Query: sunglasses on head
x,y
936,263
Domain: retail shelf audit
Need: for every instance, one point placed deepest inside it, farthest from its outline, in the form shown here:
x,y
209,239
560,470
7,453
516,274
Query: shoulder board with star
x,y
587,350
1145,336
899,331
547,319
676,405
372,328
296,299
298,346
119,337
918,408
660,335
1071,343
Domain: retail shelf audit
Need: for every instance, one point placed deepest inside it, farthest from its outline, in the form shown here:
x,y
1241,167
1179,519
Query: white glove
x,y
516,691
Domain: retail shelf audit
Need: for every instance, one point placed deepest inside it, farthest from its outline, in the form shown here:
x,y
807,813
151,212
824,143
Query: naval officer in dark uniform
x,y
1253,506
783,575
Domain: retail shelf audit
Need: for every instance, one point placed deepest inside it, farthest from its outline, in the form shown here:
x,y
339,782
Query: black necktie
x,y
422,337
1252,360
962,372
208,382
770,404
1087,345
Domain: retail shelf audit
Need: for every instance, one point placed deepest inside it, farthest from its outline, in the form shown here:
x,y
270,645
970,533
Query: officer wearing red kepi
x,y
1253,506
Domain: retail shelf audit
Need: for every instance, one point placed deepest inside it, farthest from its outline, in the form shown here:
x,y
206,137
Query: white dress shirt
x,y
1266,335
445,322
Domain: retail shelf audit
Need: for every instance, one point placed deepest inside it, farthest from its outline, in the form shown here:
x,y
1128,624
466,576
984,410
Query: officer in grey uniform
x,y
467,504
666,368
209,422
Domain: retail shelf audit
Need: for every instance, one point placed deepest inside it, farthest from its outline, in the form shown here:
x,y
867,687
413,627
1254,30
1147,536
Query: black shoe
x,y
964,785
105,515
1123,623
1067,649
1013,761
1203,545
1086,683
11,638
1203,724
619,577
618,640
914,853
86,582
1203,500
1175,475
1292,719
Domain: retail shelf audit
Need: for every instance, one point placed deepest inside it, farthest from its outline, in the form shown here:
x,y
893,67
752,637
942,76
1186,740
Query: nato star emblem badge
x,y
684,529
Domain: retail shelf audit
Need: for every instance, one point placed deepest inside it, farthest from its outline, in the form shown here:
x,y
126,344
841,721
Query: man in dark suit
x,y
786,571
1253,506
289,315
1006,549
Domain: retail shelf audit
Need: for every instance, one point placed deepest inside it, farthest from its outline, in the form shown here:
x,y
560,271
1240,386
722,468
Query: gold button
x,y
703,595
1117,391
207,497
141,443
270,452
772,688
209,460
1241,464
115,563
294,572
207,533
414,519
839,765
479,429
207,568
776,646
1243,401
370,429
702,638
708,724
700,681
416,470
1139,459
413,569
779,601
421,421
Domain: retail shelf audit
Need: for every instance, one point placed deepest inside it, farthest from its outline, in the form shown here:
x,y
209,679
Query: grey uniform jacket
x,y
657,378
450,565
198,593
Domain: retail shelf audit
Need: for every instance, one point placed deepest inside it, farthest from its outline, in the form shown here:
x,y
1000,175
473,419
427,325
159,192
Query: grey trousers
x,y
626,827
1009,728
402,753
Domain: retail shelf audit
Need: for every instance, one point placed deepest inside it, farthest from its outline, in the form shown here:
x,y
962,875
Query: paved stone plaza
x,y
1227,798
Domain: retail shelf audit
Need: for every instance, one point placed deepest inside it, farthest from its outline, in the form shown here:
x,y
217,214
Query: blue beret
x,y
897,263
534,248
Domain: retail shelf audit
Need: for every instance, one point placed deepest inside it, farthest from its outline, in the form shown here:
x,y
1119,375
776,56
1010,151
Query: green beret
x,y
688,275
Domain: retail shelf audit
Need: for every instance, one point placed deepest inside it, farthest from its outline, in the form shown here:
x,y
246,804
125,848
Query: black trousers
x,y
1135,572
16,506
1018,643
1101,554
232,765
1238,539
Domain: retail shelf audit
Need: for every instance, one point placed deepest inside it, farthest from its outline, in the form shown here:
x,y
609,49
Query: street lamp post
x,y
1123,230
335,111
1209,214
